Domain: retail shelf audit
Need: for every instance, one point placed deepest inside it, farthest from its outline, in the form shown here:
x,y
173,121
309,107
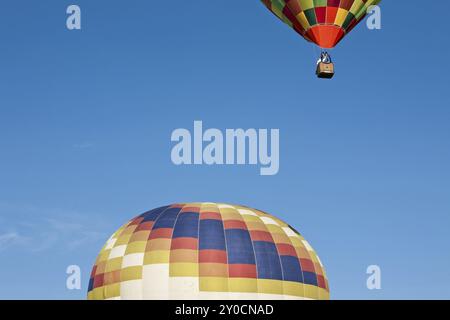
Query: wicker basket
x,y
325,70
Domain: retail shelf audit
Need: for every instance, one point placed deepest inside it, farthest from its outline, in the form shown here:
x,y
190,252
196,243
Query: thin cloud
x,y
40,229
84,145
10,239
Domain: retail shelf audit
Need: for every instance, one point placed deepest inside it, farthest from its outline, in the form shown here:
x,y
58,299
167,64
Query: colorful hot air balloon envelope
x,y
207,251
324,22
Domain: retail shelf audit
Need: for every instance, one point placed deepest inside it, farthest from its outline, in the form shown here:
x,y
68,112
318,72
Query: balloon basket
x,y
325,70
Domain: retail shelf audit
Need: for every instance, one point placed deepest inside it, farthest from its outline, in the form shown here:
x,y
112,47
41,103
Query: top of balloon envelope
x,y
323,22
207,251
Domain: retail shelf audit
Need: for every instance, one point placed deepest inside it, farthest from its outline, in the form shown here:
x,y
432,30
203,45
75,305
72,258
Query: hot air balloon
x,y
323,22
202,251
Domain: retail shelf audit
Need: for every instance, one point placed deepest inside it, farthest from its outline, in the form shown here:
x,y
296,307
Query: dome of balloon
x,y
323,22
207,251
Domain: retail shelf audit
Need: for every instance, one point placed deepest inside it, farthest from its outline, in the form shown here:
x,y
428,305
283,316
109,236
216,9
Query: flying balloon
x,y
207,251
323,22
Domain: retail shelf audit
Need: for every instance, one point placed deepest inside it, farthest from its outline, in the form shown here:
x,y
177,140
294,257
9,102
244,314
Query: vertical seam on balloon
x,y
198,248
279,257
314,266
281,263
171,239
298,258
154,223
148,239
226,250
253,249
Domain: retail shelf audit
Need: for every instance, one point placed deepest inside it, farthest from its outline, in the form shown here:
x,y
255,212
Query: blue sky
x,y
86,118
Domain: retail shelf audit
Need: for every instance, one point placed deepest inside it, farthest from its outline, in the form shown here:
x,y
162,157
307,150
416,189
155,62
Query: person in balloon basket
x,y
325,67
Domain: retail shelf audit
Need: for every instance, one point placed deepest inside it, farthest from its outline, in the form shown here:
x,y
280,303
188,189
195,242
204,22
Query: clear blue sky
x,y
86,118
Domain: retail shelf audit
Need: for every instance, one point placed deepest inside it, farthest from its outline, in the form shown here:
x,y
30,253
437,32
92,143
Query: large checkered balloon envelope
x,y
207,251
324,22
